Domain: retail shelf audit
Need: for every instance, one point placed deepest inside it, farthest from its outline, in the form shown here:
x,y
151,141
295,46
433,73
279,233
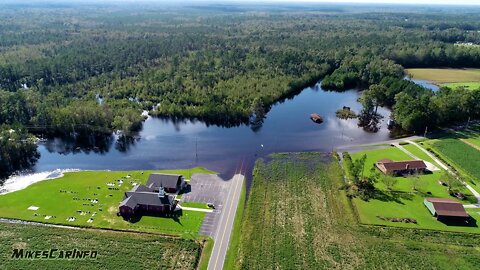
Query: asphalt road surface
x,y
208,188
225,225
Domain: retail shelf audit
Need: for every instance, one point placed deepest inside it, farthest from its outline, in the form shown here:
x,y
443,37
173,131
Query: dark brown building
x,y
445,208
144,200
390,167
172,183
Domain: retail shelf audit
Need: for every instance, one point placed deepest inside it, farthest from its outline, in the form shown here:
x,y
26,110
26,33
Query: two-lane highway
x,y
225,226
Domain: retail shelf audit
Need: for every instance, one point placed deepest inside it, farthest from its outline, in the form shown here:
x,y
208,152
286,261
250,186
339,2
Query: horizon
x,y
254,2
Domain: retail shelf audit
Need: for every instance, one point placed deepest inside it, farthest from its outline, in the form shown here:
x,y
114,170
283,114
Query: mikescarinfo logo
x,y
54,254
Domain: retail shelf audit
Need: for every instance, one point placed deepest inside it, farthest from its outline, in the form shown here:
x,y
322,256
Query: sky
x,y
436,2
466,2
429,2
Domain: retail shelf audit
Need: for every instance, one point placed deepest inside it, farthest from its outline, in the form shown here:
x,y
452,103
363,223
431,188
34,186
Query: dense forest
x,y
81,70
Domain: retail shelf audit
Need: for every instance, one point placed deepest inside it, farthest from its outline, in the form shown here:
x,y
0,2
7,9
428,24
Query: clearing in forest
x,y
447,75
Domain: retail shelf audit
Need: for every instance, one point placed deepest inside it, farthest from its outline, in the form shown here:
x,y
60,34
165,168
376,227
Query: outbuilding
x,y
445,208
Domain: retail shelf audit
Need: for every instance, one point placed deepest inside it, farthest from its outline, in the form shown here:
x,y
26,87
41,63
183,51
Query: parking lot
x,y
208,188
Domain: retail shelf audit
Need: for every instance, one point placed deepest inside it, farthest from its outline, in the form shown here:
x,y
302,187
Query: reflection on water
x,y
167,144
427,84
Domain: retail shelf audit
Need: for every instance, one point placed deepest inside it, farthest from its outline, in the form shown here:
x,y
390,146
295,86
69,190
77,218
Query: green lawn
x,y
373,156
466,85
195,205
72,195
445,75
405,205
419,153
403,201
116,250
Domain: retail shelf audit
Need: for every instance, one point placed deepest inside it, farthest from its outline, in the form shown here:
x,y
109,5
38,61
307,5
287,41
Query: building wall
x,y
430,207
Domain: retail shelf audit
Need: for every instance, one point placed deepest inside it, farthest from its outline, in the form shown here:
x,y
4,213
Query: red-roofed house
x,y
390,167
445,208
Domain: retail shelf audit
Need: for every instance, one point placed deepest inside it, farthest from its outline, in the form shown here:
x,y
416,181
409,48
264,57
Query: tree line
x,y
94,71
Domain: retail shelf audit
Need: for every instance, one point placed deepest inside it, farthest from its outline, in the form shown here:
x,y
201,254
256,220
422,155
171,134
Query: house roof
x,y
448,207
141,194
146,198
402,165
129,202
141,188
164,180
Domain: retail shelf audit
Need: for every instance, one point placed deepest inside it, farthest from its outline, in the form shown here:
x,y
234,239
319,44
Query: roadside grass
x,y
466,85
116,250
420,154
445,75
473,136
206,253
233,247
76,194
298,217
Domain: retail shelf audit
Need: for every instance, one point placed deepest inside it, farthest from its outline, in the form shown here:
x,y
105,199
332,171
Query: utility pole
x,y
196,149
426,130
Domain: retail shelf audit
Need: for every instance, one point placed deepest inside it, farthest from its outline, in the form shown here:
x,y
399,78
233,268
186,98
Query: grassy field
x,y
403,201
463,157
298,217
466,85
76,194
445,75
116,250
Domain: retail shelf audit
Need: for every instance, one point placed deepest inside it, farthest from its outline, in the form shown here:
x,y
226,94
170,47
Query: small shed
x,y
445,208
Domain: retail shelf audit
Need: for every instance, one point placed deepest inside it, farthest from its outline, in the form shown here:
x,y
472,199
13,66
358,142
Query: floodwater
x,y
167,144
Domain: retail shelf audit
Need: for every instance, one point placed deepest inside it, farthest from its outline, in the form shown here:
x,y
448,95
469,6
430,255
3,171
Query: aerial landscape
x,y
239,134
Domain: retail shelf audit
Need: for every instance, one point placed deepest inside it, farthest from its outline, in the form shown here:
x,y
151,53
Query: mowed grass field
x,y
403,201
116,250
298,217
94,196
466,85
445,75
463,157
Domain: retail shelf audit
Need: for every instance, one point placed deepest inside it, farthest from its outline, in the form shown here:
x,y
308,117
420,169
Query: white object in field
x,y
34,208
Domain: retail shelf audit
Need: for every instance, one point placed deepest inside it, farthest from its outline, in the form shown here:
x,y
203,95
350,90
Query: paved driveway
x,y
208,188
